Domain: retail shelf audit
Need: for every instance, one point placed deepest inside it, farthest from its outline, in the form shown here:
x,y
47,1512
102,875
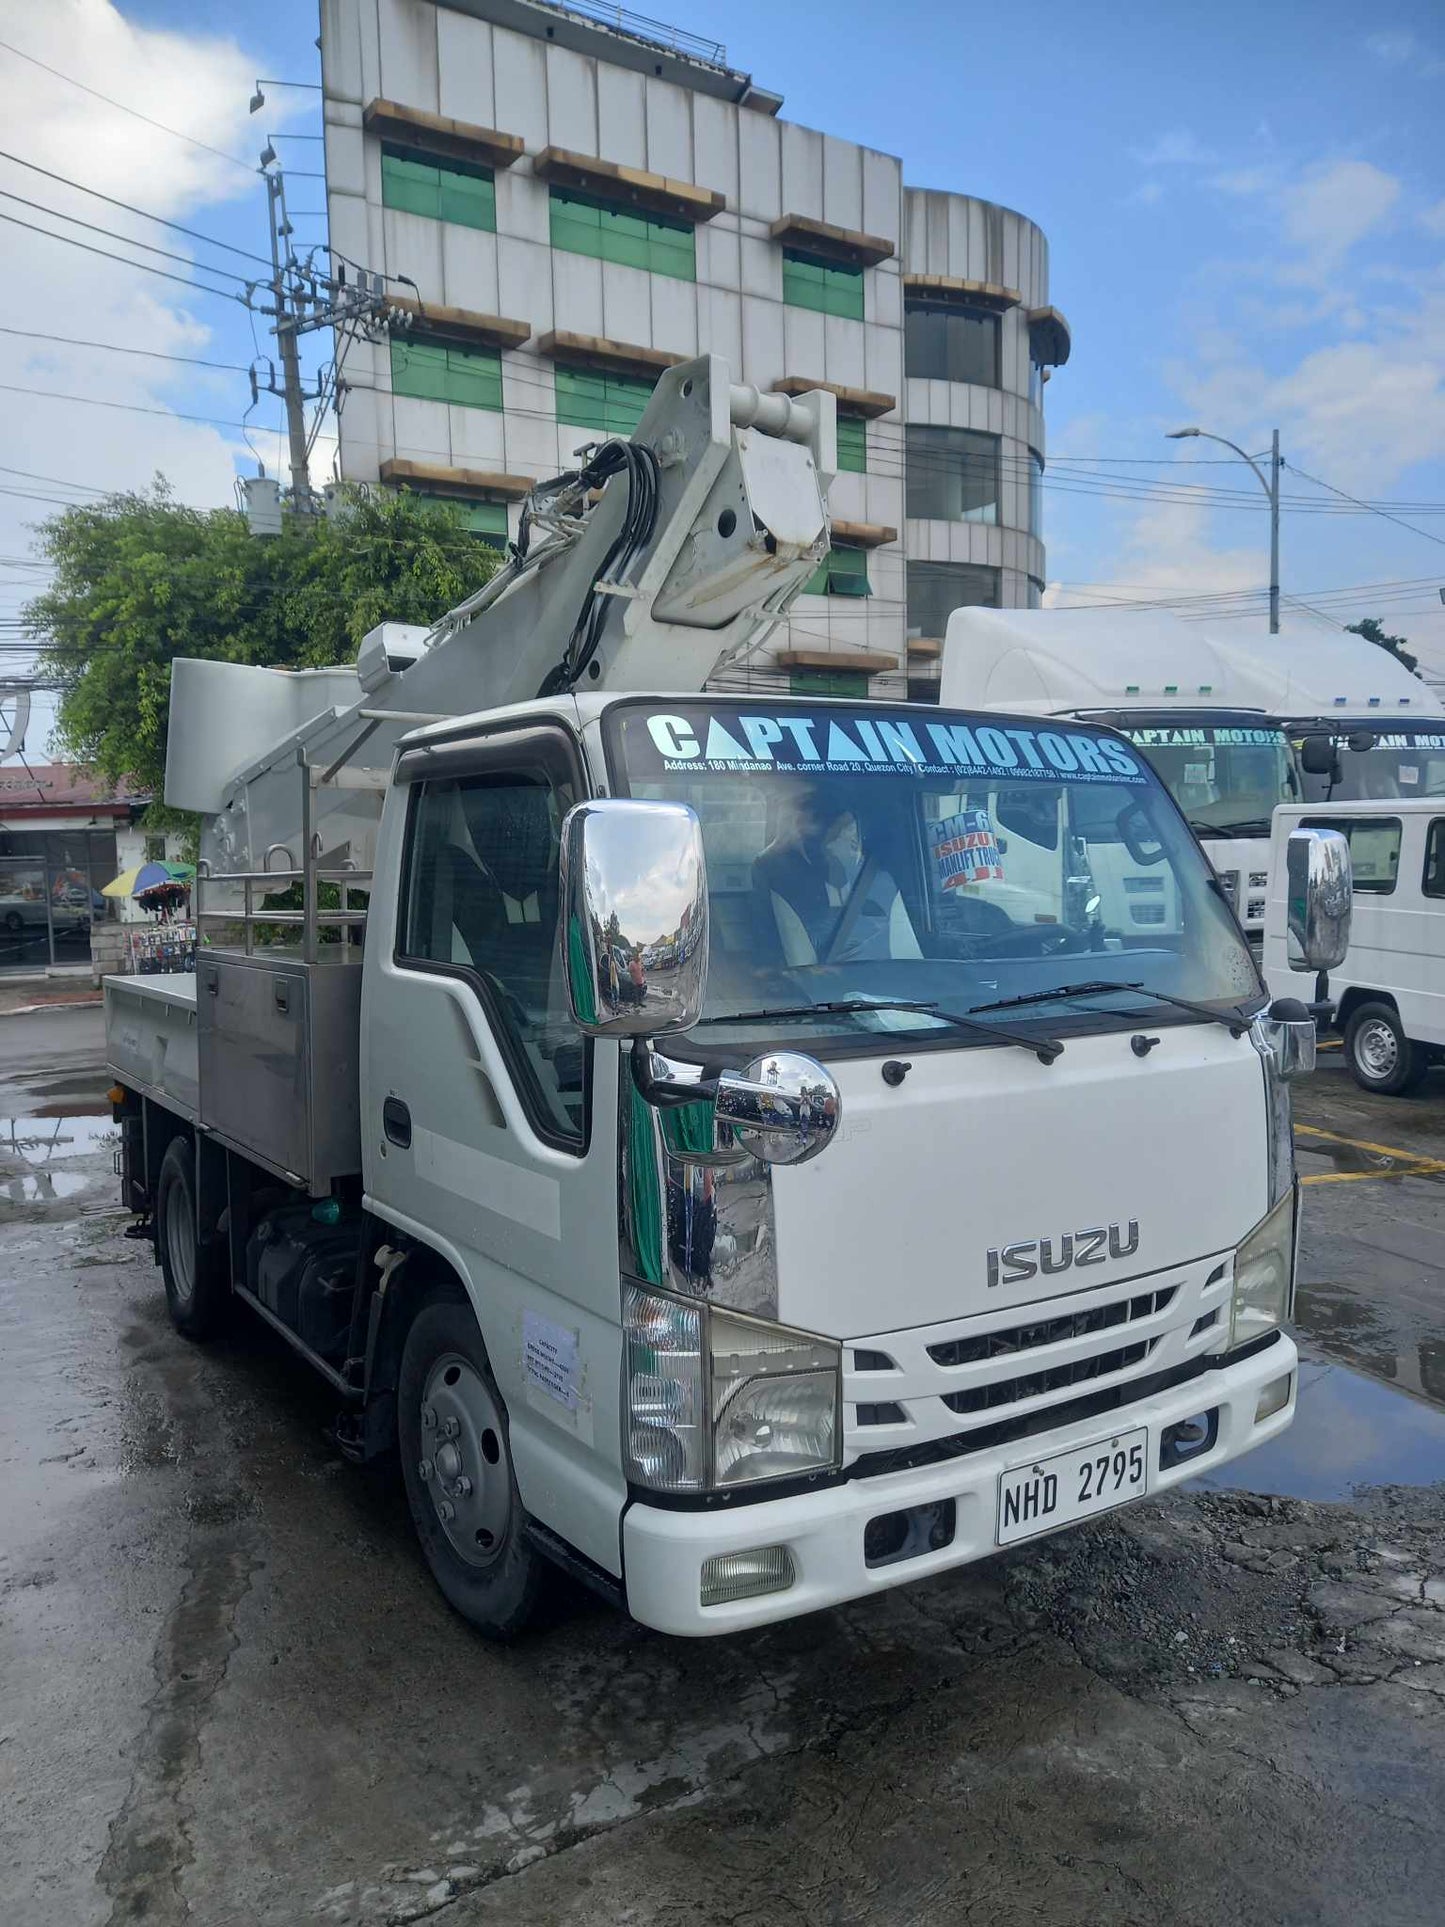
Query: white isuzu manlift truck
x,y
674,1128
1204,712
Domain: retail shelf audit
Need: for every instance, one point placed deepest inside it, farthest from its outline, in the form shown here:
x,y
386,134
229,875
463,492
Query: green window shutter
x,y
811,283
852,445
819,682
607,404
441,190
485,519
581,225
437,371
843,571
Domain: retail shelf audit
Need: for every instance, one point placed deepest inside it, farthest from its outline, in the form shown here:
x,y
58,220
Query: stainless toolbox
x,y
280,1046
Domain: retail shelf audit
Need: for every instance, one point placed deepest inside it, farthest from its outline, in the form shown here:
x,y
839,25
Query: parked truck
x,y
1363,725
734,1147
1204,714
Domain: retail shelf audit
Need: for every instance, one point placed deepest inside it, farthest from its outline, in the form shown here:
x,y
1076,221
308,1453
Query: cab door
x,y
488,1123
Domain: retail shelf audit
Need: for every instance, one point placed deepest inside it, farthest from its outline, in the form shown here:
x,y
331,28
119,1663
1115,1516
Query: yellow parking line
x,y
1354,1177
1421,1163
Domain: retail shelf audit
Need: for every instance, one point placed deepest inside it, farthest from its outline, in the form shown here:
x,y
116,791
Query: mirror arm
x,y
664,1082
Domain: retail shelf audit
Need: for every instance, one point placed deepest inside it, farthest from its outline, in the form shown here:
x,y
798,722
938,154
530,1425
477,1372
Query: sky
x,y
1245,207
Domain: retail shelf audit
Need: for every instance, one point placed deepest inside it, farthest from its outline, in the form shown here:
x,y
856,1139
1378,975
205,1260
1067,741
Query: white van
x,y
1390,989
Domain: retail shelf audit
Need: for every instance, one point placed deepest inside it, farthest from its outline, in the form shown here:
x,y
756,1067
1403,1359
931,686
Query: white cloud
x,y
1401,48
1336,206
194,84
1166,553
1432,219
1179,147
1148,194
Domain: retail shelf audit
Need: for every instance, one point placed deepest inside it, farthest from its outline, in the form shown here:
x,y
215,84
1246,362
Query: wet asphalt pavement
x,y
229,1692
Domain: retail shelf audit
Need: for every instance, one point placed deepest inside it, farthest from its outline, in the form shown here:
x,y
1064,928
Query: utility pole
x,y
305,297
286,343
1271,489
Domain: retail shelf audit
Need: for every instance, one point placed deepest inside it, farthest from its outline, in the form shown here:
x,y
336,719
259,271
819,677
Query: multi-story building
x,y
571,201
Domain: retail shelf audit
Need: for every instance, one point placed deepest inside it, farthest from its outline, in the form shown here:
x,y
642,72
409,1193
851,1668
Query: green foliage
x,y
1372,629
138,580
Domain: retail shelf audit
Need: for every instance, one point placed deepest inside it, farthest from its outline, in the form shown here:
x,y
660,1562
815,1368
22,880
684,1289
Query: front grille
x,y
1229,884
1053,1378
1050,1331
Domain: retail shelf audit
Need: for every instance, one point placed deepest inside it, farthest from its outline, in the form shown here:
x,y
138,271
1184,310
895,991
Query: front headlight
x,y
1264,1276
714,1399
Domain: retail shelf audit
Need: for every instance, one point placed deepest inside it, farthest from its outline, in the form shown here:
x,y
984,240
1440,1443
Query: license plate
x,y
1073,1485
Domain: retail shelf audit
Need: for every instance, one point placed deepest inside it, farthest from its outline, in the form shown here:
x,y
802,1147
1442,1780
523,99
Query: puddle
x,y
42,1137
43,1187
1349,1431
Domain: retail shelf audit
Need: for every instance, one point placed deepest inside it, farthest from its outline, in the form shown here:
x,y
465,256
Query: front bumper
x,y
664,1550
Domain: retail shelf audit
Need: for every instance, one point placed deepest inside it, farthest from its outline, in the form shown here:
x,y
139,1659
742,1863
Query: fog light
x,y
1189,1438
743,1575
1273,1398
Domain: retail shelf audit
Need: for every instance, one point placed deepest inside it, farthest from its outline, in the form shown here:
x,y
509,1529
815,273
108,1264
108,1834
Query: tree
x,y
1372,629
139,580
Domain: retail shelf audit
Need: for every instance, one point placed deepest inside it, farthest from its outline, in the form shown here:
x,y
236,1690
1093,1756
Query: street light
x,y
1270,485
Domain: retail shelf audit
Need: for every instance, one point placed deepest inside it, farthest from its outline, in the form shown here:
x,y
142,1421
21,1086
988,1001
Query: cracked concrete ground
x,y
232,1695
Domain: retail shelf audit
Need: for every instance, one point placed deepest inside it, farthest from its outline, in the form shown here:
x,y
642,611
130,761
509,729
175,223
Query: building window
x,y
436,371
488,520
811,283
936,589
1036,494
155,849
1036,383
945,342
952,474
582,225
610,404
1037,587
823,682
852,445
843,571
442,190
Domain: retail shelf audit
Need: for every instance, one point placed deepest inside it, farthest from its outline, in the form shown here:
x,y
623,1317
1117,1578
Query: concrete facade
x,y
536,79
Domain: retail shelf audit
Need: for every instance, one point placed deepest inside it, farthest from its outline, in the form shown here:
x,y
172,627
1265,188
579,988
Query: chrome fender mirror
x,y
1318,884
634,929
783,1109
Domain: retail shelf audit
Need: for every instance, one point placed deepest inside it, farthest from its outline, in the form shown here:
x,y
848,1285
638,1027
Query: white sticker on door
x,y
549,1359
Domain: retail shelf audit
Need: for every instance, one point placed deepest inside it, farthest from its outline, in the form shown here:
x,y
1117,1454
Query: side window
x,y
1374,849
1433,882
482,900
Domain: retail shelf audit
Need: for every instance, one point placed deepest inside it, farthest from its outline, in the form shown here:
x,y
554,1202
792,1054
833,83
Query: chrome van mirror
x,y
783,1108
634,917
1319,880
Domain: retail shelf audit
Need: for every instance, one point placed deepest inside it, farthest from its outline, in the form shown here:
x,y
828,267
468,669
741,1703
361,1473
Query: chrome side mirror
x,y
1319,882
1286,1032
634,917
783,1109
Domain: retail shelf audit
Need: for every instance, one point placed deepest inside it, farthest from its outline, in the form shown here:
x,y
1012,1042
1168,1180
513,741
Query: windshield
x,y
868,856
1398,763
1227,781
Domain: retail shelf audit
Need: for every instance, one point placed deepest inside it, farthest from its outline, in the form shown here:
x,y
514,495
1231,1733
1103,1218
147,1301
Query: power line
x,y
1385,513
194,234
95,94
114,348
135,408
166,254
196,287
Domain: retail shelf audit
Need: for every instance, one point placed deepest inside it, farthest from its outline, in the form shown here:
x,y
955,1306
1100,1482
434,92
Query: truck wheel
x,y
1381,1057
456,1461
193,1269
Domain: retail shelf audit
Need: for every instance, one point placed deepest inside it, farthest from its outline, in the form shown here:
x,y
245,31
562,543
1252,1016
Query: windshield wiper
x,y
1254,826
1046,1049
1233,1022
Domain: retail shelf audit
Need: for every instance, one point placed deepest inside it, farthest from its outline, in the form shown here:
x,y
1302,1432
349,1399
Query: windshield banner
x,y
1187,738
742,739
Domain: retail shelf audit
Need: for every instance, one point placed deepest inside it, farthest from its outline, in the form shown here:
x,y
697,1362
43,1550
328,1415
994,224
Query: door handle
x,y
396,1123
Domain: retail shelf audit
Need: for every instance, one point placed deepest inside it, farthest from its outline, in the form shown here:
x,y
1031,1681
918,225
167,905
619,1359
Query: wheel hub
x,y
1377,1048
466,1472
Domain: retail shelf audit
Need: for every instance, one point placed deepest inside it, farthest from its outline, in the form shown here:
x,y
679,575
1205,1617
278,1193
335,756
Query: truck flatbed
x,y
150,1039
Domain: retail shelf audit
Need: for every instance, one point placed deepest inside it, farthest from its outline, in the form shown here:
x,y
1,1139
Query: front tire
x,y
1381,1057
194,1269
456,1463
